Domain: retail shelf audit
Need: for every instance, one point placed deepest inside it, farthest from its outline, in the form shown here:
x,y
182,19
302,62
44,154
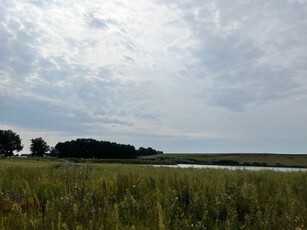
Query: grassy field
x,y
59,195
286,160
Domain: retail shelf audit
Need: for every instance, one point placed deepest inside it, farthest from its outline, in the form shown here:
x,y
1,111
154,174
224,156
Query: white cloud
x,y
248,52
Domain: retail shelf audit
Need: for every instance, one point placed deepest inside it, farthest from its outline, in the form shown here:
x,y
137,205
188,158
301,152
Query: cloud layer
x,y
178,75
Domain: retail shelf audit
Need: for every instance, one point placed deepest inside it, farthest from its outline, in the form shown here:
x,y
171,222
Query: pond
x,y
253,168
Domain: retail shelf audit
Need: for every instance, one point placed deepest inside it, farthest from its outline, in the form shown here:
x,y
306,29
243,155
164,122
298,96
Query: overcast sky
x,y
176,75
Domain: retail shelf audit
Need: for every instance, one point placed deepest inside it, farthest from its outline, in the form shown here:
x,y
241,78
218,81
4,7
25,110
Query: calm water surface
x,y
253,168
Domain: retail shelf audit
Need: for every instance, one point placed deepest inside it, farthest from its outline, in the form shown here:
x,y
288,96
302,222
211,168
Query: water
x,y
252,168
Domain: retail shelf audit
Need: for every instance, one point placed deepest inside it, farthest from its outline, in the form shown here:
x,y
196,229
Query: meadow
x,y
43,194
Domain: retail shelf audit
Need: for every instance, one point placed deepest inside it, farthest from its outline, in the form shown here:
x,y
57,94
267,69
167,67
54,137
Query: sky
x,y
176,75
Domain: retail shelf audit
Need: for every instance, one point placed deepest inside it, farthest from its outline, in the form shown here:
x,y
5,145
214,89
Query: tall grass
x,y
58,195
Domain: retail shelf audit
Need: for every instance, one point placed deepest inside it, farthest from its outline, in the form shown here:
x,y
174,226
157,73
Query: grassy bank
x,y
59,195
235,159
274,160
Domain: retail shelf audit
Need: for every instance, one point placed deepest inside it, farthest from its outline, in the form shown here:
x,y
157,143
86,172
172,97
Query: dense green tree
x,y
54,152
39,147
90,148
146,152
9,142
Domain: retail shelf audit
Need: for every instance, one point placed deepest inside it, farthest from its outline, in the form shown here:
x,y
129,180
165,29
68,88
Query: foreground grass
x,y
59,195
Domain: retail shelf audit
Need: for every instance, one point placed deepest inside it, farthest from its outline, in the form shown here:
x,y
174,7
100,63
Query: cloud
x,y
99,23
39,58
134,70
249,52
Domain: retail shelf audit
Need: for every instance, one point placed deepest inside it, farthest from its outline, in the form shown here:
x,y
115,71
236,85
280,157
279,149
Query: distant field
x,y
287,160
43,194
239,159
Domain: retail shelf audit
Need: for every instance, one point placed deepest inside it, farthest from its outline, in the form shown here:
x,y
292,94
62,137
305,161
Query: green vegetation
x,y
40,194
80,148
273,160
91,148
39,147
256,159
147,151
9,142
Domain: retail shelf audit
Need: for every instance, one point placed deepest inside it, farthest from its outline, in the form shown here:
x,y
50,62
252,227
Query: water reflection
x,y
252,168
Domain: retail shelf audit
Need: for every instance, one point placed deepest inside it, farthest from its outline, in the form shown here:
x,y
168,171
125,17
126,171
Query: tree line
x,y
79,148
90,148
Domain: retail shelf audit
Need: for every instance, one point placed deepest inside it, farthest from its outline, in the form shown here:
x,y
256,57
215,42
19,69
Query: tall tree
x,y
38,147
9,142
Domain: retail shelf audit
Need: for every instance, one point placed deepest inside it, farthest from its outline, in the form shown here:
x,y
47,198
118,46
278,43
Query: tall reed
x,y
58,195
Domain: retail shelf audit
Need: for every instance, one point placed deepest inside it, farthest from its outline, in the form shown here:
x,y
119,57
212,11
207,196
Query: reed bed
x,y
59,195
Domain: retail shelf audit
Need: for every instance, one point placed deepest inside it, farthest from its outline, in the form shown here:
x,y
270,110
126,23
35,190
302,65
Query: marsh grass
x,y
59,195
